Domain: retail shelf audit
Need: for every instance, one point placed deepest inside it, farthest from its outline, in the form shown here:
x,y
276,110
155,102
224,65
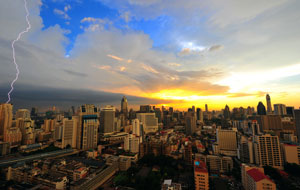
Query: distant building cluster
x,y
84,147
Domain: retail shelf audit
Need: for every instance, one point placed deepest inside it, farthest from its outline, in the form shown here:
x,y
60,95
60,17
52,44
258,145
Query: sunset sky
x,y
174,52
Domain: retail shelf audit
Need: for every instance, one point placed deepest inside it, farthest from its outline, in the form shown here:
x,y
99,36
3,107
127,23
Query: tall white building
x,y
132,143
69,132
149,121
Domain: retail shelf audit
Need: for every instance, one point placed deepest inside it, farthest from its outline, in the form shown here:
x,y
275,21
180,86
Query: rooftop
x,y
257,175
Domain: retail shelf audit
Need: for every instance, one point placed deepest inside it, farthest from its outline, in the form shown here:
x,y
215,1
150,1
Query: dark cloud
x,y
215,47
25,96
78,74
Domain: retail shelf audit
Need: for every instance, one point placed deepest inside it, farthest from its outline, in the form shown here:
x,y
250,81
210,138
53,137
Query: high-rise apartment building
x,y
107,119
87,131
269,105
267,151
280,109
149,121
227,141
201,175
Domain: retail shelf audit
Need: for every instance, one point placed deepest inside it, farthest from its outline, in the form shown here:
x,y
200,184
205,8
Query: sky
x,y
172,52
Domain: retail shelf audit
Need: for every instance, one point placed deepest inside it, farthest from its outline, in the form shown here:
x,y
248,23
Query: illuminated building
x,y
267,151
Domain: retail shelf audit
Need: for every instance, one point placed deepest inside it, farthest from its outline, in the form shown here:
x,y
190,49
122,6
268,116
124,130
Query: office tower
x,y
190,123
193,109
279,109
58,131
132,143
261,110
267,151
227,141
158,114
69,132
227,112
34,112
199,115
297,122
145,108
269,105
291,153
206,108
107,119
124,106
290,111
87,131
27,129
23,113
6,116
149,121
201,176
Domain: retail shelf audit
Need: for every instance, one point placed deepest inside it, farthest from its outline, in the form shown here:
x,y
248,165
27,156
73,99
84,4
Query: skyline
x,y
176,54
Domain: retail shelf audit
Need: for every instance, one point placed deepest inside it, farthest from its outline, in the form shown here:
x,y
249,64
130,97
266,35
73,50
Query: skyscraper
x,y
124,106
190,123
6,116
269,105
206,108
87,131
199,115
227,112
261,109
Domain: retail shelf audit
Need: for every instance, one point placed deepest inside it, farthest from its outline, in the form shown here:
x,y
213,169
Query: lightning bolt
x,y
14,53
